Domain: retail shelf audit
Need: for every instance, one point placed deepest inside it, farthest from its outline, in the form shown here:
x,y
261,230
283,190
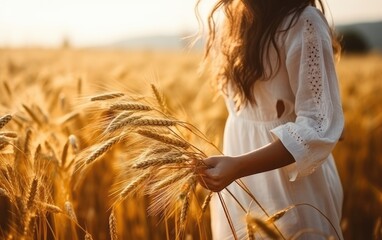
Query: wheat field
x,y
64,163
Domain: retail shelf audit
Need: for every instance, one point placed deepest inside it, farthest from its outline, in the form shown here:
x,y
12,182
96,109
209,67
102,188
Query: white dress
x,y
309,128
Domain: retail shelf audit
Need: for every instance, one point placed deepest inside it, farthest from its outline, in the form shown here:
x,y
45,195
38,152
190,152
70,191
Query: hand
x,y
219,172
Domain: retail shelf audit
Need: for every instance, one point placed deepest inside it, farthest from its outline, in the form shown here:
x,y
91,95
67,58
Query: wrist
x,y
241,166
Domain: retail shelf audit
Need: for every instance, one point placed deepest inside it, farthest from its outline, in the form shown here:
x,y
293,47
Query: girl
x,y
276,70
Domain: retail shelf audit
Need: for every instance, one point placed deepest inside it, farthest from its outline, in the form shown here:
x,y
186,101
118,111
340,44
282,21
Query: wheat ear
x,y
102,149
106,96
130,107
113,226
88,236
263,226
133,185
159,98
155,122
4,120
159,162
32,193
164,139
122,123
70,211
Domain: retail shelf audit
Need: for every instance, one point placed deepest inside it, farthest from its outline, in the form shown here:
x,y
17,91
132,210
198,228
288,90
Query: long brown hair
x,y
250,30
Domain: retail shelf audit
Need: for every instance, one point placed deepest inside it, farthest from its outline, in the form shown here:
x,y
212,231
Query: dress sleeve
x,y
312,77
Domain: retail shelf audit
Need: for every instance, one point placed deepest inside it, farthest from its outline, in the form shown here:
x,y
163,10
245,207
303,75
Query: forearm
x,y
269,157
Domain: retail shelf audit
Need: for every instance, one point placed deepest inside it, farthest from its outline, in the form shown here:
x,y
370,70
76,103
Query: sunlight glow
x,y
97,22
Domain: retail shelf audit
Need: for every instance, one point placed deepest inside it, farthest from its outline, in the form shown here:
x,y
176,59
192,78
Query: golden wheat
x,y
9,134
4,120
106,96
133,185
266,228
113,226
164,139
130,107
70,211
102,149
122,123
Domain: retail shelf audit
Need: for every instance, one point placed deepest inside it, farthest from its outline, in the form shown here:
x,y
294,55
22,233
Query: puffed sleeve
x,y
312,78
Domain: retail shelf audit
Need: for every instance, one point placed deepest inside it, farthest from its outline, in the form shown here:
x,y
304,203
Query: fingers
x,y
209,181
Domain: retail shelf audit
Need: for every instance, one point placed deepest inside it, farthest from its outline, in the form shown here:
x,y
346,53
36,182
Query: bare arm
x,y
223,170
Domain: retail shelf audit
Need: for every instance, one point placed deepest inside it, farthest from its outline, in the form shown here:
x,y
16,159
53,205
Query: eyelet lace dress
x,y
309,127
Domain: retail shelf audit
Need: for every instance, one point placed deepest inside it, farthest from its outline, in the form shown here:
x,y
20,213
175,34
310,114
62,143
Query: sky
x,y
97,22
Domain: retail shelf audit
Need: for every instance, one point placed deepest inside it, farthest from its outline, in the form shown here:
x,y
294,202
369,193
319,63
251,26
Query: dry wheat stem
x,y
130,107
113,226
106,96
102,149
321,213
228,216
4,120
64,154
32,115
7,89
311,231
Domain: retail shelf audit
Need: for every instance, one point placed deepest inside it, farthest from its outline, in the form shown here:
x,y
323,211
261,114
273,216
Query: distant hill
x,y
367,34
359,37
